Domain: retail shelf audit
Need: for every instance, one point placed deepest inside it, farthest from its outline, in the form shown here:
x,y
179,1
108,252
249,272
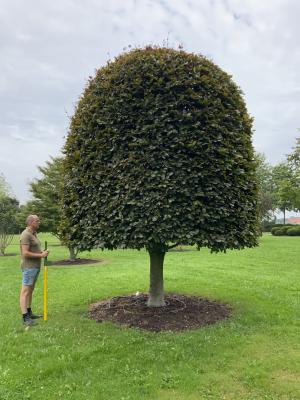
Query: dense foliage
x,y
159,152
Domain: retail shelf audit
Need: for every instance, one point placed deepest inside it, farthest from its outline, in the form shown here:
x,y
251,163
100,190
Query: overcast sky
x,y
50,48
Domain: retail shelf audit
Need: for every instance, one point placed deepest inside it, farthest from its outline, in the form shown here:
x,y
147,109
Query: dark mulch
x,y
8,254
78,261
180,313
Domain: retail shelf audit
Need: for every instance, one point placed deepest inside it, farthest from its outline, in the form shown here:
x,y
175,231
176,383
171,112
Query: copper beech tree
x,y
159,153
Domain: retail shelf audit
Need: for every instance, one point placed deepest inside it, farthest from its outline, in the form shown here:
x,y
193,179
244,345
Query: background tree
x,y
5,189
8,224
47,193
266,200
159,153
294,162
283,183
294,157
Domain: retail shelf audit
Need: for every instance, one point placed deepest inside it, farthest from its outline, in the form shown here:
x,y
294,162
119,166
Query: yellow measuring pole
x,y
45,285
45,291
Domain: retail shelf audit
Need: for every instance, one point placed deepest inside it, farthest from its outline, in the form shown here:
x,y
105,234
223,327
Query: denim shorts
x,y
30,276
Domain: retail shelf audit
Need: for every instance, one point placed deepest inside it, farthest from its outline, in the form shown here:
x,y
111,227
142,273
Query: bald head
x,y
33,222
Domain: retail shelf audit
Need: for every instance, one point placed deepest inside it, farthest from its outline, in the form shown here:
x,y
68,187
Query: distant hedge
x,y
286,230
267,226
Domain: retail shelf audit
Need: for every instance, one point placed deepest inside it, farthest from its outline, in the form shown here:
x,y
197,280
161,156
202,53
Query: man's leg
x,y
26,293
25,298
29,279
29,299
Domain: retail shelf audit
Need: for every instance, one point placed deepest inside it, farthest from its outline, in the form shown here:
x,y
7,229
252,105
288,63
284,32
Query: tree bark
x,y
284,216
156,291
73,253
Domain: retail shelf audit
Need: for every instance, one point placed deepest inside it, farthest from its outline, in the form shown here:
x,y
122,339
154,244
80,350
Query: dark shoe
x,y
28,322
35,316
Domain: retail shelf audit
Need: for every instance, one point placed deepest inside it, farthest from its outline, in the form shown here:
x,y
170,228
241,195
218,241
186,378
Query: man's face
x,y
35,224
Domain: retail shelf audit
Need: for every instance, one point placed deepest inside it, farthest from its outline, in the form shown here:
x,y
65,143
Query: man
x,y
31,255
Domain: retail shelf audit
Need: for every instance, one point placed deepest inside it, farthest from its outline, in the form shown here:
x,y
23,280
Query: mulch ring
x,y
78,261
180,313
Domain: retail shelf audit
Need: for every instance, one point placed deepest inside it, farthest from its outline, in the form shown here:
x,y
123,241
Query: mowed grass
x,y
253,355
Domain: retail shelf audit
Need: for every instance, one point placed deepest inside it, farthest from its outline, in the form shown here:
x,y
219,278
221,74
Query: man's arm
x,y
27,253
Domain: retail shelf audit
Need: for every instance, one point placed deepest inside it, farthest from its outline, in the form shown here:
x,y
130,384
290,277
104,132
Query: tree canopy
x,y
159,151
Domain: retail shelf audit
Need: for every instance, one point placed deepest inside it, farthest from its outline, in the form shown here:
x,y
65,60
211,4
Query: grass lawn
x,y
254,355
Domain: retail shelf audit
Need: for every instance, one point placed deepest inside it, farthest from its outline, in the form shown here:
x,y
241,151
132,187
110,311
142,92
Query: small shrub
x,y
275,229
285,228
293,231
279,232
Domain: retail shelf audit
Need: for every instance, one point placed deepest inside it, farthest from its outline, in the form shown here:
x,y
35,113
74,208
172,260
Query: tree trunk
x,y
156,291
73,253
284,216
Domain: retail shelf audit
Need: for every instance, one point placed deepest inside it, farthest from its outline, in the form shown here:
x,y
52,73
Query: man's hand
x,y
44,253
